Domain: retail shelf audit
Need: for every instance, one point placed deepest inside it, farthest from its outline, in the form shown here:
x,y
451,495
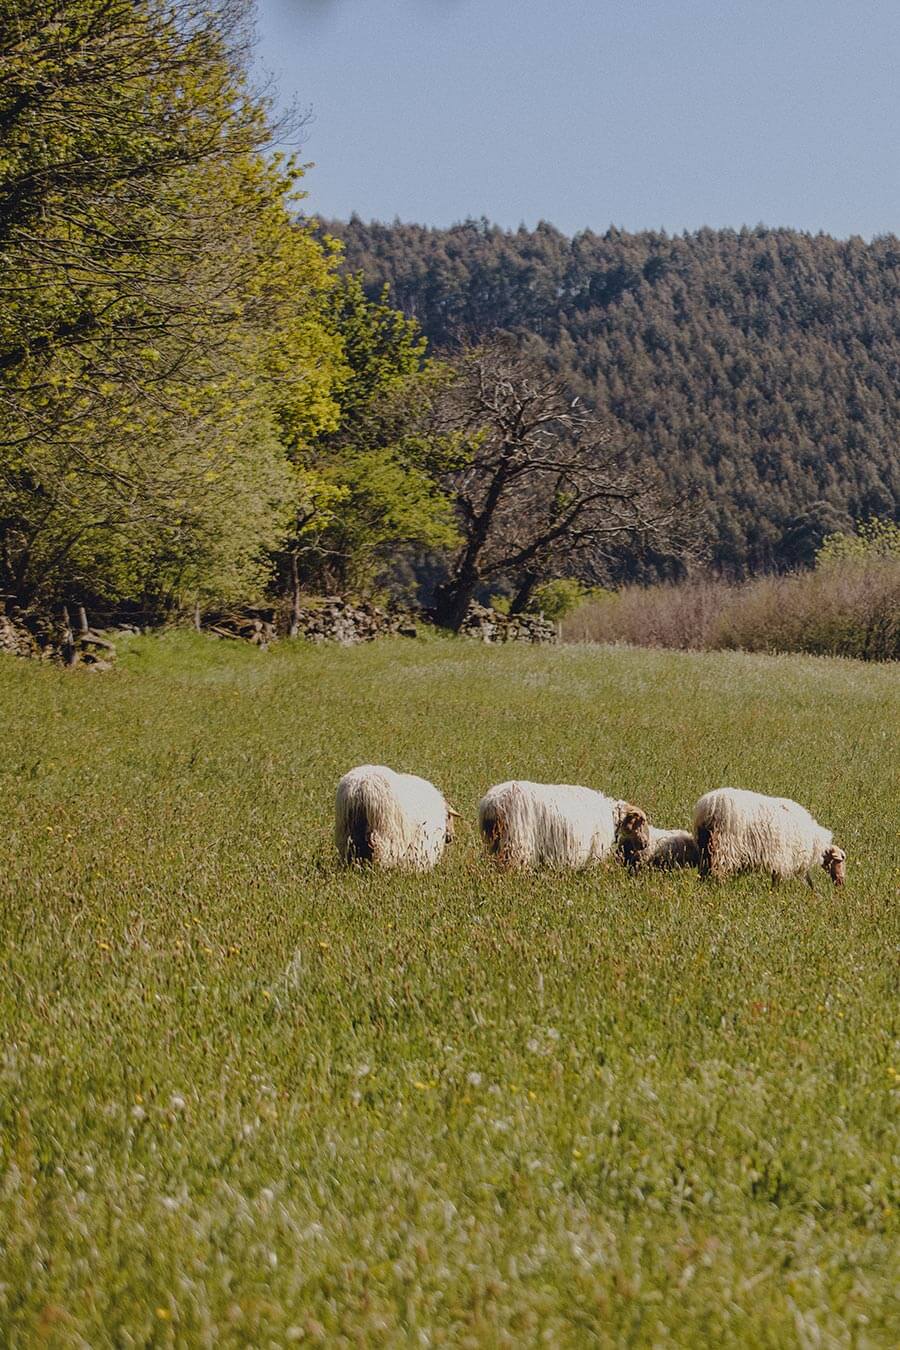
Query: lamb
x,y
542,824
641,844
391,819
739,831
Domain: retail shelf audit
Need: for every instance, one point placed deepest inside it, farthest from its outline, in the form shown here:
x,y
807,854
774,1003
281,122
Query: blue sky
x,y
640,113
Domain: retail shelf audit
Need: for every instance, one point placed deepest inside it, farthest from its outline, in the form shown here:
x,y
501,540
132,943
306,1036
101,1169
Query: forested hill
x,y
761,366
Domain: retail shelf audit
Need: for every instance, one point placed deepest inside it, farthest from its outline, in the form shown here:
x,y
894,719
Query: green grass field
x,y
247,1098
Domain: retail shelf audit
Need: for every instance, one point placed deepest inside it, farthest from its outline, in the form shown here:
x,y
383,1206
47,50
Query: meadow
x,y
248,1098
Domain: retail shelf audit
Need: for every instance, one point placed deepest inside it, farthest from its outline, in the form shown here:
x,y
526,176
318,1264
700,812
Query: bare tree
x,y
544,489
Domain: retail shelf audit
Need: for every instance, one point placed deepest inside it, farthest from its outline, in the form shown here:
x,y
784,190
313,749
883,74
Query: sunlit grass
x,y
248,1098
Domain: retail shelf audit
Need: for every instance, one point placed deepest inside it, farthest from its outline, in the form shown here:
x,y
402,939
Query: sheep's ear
x,y
453,813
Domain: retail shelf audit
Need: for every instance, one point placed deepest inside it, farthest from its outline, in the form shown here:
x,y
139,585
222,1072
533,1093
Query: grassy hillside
x,y
247,1098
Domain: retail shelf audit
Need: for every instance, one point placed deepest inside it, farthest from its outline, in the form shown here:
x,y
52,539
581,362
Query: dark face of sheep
x,y
834,860
492,831
633,835
634,829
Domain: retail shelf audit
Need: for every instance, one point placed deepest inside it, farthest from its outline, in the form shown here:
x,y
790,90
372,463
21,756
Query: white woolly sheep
x,y
739,831
642,845
547,824
391,819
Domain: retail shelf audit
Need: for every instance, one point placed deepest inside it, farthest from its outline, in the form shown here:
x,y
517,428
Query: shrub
x,y
556,599
849,607
875,538
670,615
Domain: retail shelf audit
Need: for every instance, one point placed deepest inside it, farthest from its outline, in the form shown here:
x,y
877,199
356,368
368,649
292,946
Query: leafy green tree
x,y
556,599
373,483
875,538
163,327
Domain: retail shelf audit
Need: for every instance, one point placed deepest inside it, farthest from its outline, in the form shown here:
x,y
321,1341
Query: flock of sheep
x,y
398,820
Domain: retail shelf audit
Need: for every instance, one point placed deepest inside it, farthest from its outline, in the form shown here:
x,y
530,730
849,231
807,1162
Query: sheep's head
x,y
632,833
633,827
448,828
834,860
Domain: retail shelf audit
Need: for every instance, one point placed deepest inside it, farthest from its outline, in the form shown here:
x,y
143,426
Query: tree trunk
x,y
453,597
67,646
523,595
294,628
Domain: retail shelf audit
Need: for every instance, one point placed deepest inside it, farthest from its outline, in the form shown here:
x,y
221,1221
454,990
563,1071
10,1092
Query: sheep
x,y
391,819
739,831
640,844
550,824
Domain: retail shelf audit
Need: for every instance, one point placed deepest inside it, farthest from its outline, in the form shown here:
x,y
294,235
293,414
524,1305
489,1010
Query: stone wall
x,y
15,638
333,620
43,638
337,620
489,625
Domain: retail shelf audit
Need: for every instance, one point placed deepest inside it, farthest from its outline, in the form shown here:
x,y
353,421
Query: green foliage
x,y
248,1098
756,368
874,538
373,482
163,330
554,599
382,501
382,349
558,598
156,522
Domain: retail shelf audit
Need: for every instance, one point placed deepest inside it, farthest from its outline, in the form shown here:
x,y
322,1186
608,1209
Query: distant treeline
x,y
758,368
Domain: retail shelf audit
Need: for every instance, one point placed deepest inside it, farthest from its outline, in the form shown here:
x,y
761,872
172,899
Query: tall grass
x,y
249,1098
847,608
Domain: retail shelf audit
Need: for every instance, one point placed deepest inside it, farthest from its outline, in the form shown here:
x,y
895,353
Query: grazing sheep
x,y
738,831
642,845
547,824
391,819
